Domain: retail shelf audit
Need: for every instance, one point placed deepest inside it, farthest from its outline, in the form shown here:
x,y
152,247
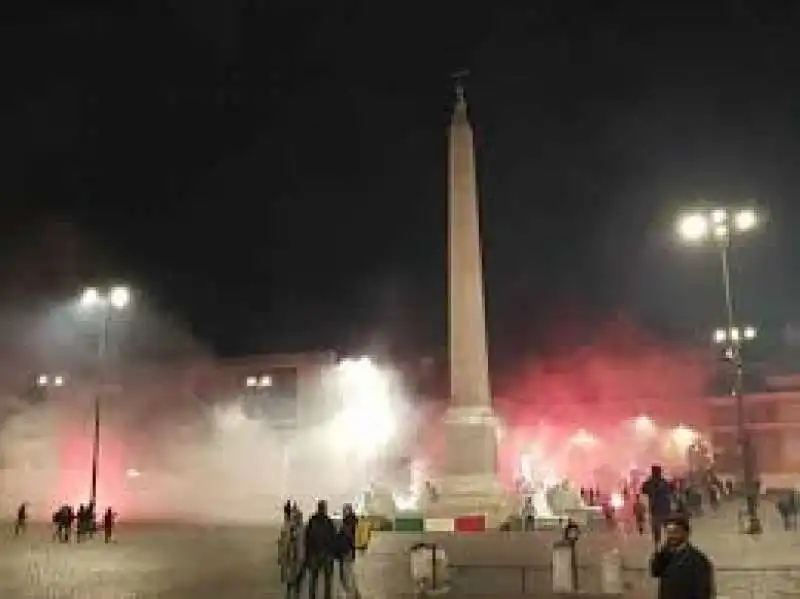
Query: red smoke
x,y
600,387
76,466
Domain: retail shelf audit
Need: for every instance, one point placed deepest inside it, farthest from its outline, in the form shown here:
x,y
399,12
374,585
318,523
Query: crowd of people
x,y
658,497
309,551
66,520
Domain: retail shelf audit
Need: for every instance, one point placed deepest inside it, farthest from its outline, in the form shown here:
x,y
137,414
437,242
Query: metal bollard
x,y
429,569
564,567
565,561
611,573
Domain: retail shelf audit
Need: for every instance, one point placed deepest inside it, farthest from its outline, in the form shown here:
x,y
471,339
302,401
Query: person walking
x,y
347,549
22,519
659,495
291,553
320,539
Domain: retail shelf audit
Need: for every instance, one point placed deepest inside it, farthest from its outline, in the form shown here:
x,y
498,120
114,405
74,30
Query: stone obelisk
x,y
470,480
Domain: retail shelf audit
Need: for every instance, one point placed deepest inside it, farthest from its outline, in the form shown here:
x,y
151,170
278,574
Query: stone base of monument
x,y
472,494
490,564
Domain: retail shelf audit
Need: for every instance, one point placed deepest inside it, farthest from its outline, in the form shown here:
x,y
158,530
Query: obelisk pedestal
x,y
470,483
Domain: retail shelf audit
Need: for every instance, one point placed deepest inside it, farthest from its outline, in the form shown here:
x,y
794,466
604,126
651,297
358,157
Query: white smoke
x,y
169,456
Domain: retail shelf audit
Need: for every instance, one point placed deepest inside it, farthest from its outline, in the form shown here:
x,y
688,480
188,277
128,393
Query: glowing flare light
x,y
583,438
683,437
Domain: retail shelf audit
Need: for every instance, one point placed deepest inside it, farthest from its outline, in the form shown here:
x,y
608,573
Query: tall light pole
x,y
104,304
257,386
720,226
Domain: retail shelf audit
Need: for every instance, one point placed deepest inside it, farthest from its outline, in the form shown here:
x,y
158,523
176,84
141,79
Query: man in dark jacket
x,y
659,495
346,547
321,546
683,571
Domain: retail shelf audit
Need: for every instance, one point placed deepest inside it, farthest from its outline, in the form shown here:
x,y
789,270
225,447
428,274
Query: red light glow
x,y
586,409
76,466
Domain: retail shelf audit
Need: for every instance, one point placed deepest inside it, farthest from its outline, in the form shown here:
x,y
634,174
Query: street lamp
x,y
263,381
583,438
50,380
734,336
719,226
683,437
644,425
103,303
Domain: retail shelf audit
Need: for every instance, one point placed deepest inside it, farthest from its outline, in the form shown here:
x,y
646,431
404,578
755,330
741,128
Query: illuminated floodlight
x,y
90,297
735,334
362,377
368,419
368,427
119,297
583,438
693,227
132,473
357,367
719,216
258,382
47,380
617,501
745,220
683,437
644,424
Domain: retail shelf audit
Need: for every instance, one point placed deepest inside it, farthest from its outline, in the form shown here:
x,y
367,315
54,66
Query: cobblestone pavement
x,y
176,562
182,562
747,567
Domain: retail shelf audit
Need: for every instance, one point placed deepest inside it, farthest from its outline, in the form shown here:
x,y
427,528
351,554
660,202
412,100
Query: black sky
x,y
274,172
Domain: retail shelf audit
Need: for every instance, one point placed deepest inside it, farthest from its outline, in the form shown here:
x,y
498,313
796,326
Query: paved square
x,y
196,562
169,562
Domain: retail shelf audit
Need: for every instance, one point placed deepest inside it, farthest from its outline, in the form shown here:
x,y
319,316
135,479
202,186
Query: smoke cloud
x,y
599,388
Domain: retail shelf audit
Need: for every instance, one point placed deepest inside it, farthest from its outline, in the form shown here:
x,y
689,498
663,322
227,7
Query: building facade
x,y
772,417
287,390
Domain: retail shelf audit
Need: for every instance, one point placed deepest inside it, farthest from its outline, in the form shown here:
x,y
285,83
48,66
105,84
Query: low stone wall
x,y
509,564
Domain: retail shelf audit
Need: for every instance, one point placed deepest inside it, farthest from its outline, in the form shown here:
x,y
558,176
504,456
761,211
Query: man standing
x,y
346,549
22,519
291,553
659,494
320,550
109,520
683,571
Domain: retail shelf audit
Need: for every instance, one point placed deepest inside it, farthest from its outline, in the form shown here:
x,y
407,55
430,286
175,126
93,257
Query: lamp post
x,y
257,385
105,304
263,381
50,380
719,226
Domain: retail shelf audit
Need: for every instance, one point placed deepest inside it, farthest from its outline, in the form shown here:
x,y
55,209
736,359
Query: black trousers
x,y
317,566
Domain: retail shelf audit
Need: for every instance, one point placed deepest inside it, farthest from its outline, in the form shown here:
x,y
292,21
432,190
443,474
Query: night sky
x,y
273,173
